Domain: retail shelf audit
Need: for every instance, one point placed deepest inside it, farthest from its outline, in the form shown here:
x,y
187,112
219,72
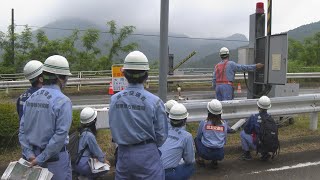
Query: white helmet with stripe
x,y
57,64
32,69
136,60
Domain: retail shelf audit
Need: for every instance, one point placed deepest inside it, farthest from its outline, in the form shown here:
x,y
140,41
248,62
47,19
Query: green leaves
x,y
80,48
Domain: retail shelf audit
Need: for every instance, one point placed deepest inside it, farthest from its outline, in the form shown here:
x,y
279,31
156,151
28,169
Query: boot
x,y
246,156
214,164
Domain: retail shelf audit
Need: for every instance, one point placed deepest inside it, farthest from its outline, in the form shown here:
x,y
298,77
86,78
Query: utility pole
x,y
163,70
12,35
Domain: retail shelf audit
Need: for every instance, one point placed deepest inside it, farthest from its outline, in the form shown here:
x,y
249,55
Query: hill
x,y
179,44
301,32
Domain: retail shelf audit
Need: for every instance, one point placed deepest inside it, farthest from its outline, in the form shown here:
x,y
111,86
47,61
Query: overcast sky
x,y
196,18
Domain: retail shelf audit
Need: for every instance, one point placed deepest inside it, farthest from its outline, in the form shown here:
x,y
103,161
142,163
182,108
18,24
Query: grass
x,y
299,129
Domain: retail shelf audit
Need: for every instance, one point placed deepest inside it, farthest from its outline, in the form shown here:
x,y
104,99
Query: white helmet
x,y
136,60
87,115
32,69
264,102
214,107
178,111
224,51
57,64
169,104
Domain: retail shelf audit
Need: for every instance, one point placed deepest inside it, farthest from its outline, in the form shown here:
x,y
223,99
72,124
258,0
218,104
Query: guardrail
x,y
204,78
237,109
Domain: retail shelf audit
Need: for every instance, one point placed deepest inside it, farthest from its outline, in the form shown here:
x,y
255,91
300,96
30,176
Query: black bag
x,y
73,146
268,138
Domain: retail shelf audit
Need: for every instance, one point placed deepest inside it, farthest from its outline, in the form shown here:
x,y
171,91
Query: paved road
x,y
294,166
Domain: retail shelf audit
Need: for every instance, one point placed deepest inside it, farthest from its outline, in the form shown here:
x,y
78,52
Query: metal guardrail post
x,y
79,76
313,121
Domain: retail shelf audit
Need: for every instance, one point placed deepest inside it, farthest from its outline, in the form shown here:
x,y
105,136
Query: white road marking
x,y
288,167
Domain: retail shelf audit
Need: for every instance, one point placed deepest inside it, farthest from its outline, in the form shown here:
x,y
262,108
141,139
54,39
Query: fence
x,y
237,109
85,79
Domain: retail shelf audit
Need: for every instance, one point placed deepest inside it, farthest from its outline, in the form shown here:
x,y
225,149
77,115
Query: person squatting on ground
x,y
179,145
46,121
211,136
88,146
251,136
224,73
33,72
138,124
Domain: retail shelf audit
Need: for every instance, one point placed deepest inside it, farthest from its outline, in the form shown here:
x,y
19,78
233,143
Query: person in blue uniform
x,y
88,146
179,145
33,72
211,136
224,73
46,120
168,105
138,124
251,131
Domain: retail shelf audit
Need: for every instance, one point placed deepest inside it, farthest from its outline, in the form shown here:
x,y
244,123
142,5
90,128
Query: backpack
x,y
73,147
268,140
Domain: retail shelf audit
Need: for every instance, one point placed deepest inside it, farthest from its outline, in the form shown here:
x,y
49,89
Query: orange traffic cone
x,y
239,88
111,89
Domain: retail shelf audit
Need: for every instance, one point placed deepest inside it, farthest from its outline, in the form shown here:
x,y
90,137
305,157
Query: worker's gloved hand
x,y
231,131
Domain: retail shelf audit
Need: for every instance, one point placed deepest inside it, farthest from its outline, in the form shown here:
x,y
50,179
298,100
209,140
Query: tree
x,y
88,58
295,48
118,38
23,46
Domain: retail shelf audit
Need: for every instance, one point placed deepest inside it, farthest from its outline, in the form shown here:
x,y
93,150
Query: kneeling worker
x,y
211,136
179,145
260,133
88,145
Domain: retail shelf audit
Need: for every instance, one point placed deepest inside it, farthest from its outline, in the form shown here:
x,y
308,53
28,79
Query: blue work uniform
x,y
22,99
210,140
252,131
44,128
224,90
138,124
92,150
179,144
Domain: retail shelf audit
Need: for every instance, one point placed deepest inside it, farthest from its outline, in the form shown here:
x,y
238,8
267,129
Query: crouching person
x,y
211,136
260,133
88,146
179,145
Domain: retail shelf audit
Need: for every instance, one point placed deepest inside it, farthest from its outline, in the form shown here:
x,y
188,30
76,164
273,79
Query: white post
x,y
7,90
313,121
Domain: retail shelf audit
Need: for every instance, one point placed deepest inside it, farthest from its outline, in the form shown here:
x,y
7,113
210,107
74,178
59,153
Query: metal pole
x,y
12,35
163,70
313,121
269,17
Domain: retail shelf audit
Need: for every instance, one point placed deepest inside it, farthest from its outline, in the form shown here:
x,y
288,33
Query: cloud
x,y
205,18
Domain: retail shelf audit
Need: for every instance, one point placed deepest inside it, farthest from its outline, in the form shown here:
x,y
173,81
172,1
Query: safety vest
x,y
221,75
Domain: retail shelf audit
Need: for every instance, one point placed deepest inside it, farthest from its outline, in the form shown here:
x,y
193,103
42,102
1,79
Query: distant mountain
x,y
299,33
308,30
179,44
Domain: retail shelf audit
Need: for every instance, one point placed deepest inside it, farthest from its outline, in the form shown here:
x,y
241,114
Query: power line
x,y
140,34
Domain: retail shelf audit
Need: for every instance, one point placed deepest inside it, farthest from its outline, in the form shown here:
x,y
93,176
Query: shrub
x,y
9,124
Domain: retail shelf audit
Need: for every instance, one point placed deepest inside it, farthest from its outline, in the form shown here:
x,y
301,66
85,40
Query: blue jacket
x,y
45,124
252,125
231,69
179,144
22,99
212,136
136,115
88,141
